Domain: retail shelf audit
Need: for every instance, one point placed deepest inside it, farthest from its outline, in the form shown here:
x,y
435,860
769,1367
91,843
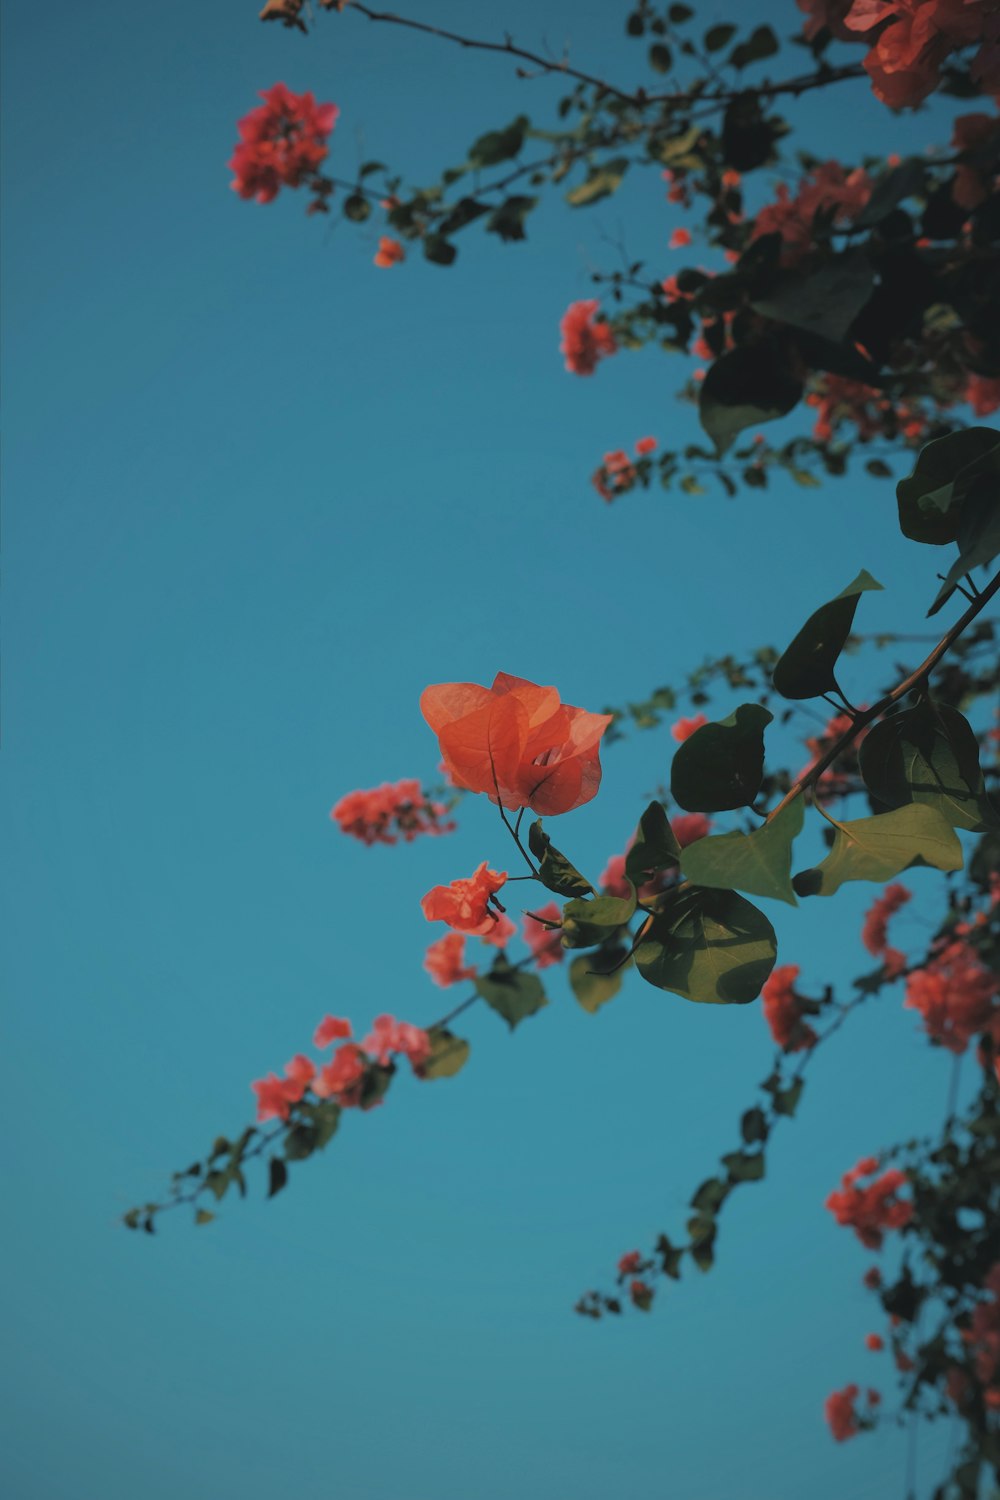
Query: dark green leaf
x,y
660,57
805,670
710,946
654,847
744,1166
202,1216
761,43
880,848
929,754
786,1101
877,469
277,1174
592,988
554,868
513,994
753,1126
680,13
507,220
931,498
499,145
893,188
440,252
826,301
759,862
743,388
978,533
722,764
357,208
300,1142
710,1196
717,37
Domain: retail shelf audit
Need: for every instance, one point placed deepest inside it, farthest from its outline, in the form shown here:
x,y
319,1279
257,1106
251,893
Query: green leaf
x,y
786,1101
710,1197
654,847
277,1174
677,151
325,1118
554,868
928,754
202,1216
930,499
753,1126
805,669
660,57
826,302
882,847
761,43
743,388
448,1055
758,862
600,182
709,946
593,989
499,145
721,765
680,13
586,923
512,994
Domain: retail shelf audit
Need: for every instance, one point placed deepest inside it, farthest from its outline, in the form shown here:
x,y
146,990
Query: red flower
x,y
444,960
875,931
464,904
272,1097
343,1075
874,1342
585,339
282,143
783,1010
391,811
688,828
388,1036
330,1029
873,1209
983,394
389,253
840,1413
500,933
685,728
545,942
517,742
629,1263
872,1278
828,189
679,239
641,1294
645,445
956,996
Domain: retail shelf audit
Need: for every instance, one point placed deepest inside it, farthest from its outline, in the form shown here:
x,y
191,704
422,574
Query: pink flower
x,y
465,904
840,1413
585,338
444,960
330,1029
545,942
500,933
870,1210
388,1036
685,728
343,1076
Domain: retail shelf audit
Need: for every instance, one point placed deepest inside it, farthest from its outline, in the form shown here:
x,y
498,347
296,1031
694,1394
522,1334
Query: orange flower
x,y
517,742
389,253
464,904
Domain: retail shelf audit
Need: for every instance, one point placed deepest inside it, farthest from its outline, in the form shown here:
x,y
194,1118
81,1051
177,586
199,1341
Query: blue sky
x,y
258,494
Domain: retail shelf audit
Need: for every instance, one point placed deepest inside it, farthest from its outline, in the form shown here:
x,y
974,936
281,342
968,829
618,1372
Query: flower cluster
x,y
517,742
904,61
445,959
393,811
875,930
343,1077
956,996
784,1010
842,1414
617,472
829,190
282,143
870,1210
838,400
586,338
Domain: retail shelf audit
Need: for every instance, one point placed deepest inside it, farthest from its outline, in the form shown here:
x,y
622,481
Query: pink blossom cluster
x,y
393,811
342,1078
